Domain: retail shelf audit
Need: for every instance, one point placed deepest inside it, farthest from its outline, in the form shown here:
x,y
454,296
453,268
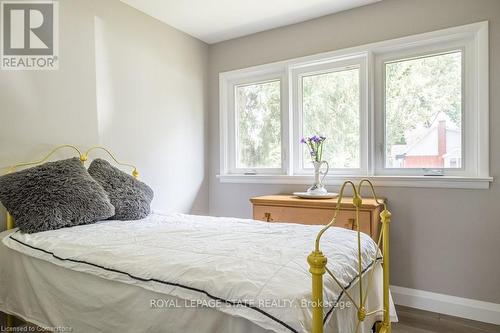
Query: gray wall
x,y
124,79
443,240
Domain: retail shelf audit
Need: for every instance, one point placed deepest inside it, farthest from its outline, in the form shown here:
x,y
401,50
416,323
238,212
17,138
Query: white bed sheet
x,y
54,296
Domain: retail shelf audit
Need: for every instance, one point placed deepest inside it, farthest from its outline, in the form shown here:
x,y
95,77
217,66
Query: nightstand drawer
x,y
312,216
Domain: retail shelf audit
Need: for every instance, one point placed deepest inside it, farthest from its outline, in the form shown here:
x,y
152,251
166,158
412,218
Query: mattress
x,y
52,292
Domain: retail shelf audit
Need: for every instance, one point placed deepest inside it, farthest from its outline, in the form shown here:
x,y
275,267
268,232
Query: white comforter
x,y
245,268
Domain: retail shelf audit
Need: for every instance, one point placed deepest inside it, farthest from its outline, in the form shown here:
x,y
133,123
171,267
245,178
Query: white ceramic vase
x,y
319,176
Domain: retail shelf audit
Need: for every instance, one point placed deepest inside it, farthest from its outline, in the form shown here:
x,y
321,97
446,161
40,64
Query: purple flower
x,y
315,146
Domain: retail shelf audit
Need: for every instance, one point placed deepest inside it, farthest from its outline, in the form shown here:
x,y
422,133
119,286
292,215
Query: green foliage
x,y
330,106
417,90
259,125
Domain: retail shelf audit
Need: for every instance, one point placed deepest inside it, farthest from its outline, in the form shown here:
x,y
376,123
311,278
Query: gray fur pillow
x,y
131,198
54,195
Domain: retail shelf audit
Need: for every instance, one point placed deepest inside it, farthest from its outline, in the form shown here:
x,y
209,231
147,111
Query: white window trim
x,y
477,177
296,74
380,181
227,84
469,109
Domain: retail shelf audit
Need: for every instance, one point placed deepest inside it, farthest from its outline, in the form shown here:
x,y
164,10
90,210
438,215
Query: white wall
x,y
125,80
443,240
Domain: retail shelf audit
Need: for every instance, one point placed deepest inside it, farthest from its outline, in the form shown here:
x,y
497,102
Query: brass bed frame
x,y
317,263
317,260
83,158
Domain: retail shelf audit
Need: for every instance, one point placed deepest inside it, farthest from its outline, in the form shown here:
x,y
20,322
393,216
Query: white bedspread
x,y
245,268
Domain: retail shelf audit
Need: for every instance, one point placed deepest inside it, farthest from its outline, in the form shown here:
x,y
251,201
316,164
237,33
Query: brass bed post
x,y
386,220
10,222
317,267
317,263
9,319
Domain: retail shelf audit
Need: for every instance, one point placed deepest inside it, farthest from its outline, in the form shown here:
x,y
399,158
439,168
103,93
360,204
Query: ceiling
x,y
213,21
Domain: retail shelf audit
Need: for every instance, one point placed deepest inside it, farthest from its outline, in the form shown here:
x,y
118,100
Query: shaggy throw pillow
x,y
131,198
54,195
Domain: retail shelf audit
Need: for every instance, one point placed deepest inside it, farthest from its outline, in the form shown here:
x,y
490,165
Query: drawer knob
x,y
267,217
351,223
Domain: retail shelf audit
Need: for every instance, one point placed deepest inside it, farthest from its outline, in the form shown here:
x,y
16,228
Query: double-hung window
x,y
406,112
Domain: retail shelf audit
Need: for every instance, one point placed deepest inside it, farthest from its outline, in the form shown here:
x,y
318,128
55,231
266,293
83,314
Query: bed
x,y
184,273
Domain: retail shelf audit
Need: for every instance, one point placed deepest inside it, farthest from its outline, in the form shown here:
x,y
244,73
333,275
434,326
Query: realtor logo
x,y
29,36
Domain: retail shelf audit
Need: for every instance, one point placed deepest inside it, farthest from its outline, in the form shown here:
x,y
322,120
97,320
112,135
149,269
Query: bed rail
x,y
318,265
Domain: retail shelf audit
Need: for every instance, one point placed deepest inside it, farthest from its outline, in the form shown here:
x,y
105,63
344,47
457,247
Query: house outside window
x,y
435,146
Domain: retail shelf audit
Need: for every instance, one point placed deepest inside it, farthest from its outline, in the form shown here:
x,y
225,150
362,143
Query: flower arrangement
x,y
315,146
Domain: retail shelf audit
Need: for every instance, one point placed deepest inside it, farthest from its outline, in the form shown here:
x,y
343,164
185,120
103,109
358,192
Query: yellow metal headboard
x,y
85,156
82,156
13,168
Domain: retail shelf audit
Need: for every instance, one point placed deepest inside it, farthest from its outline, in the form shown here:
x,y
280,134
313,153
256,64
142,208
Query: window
x,y
330,106
258,124
330,101
423,111
429,116
255,124
396,111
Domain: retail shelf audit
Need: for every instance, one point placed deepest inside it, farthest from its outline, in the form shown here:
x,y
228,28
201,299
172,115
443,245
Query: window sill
x,y
382,181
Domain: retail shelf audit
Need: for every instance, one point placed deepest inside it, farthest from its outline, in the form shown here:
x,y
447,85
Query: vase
x,y
318,188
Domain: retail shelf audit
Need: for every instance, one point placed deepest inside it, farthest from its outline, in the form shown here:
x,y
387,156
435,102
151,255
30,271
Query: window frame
x,y
229,154
335,65
468,112
475,112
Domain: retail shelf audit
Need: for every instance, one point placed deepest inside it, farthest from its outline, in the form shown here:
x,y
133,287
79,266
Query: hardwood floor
x,y
410,321
418,321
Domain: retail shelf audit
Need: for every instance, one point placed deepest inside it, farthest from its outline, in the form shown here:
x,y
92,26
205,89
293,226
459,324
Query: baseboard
x,y
450,305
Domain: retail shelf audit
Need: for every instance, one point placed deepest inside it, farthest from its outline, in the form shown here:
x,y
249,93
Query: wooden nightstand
x,y
288,208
